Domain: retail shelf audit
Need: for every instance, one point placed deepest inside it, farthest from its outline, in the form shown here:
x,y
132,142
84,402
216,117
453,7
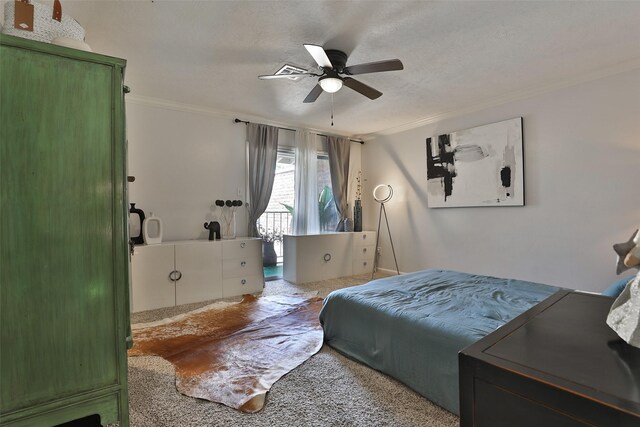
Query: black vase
x,y
137,240
357,216
269,255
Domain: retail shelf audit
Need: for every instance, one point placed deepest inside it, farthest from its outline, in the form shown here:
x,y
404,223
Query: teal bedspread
x,y
412,326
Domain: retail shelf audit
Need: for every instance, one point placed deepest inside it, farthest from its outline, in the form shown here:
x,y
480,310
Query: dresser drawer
x,y
364,252
364,238
241,249
362,266
242,285
249,266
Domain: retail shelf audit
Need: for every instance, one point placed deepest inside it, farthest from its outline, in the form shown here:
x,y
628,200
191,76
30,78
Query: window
x,y
279,213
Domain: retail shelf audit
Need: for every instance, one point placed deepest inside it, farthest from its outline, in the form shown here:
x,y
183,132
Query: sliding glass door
x,y
277,220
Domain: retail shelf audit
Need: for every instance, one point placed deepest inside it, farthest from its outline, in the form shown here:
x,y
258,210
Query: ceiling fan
x,y
335,73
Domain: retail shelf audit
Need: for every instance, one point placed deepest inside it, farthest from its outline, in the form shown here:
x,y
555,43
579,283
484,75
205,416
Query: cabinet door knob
x,y
243,263
175,275
365,263
242,245
364,250
364,236
327,257
243,281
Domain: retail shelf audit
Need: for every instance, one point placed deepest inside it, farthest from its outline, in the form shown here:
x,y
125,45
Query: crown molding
x,y
223,114
177,106
505,99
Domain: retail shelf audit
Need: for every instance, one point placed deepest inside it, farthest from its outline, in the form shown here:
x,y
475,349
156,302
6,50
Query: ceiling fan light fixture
x,y
330,84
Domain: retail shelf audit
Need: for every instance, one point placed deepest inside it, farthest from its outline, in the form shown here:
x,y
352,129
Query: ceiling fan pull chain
x,y
331,109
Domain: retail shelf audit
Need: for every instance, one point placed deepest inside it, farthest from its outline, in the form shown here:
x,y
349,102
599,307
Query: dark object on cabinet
x,y
357,216
139,239
214,230
557,364
64,305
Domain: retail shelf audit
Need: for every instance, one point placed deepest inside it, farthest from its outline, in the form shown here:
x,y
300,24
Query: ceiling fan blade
x,y
319,55
314,94
375,67
362,88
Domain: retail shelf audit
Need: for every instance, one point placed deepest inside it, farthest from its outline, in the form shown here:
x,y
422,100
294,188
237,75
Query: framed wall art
x,y
481,166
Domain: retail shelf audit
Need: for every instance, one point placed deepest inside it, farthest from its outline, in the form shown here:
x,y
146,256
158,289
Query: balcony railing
x,y
278,221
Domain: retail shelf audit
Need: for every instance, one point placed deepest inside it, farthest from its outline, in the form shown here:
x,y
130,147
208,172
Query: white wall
x,y
582,191
183,162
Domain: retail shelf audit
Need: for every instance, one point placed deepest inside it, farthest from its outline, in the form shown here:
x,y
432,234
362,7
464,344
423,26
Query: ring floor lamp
x,y
382,194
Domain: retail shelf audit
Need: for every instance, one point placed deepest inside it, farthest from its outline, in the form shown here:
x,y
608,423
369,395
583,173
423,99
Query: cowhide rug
x,y
234,354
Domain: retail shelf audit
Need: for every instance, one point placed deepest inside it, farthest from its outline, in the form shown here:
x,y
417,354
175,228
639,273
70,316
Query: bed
x,y
412,326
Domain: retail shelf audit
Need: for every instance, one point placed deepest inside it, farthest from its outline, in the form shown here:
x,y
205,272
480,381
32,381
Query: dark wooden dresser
x,y
558,364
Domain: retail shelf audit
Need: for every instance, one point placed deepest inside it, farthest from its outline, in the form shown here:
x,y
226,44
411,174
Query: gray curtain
x,y
263,153
339,152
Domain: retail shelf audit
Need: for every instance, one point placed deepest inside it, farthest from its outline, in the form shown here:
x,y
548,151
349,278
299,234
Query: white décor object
x,y
183,272
624,316
45,28
72,43
152,230
382,193
313,257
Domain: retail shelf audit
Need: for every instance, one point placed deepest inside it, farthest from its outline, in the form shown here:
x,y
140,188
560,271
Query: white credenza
x,y
175,273
313,257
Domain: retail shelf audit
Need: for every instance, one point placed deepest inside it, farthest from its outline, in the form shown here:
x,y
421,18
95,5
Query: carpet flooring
x,y
326,390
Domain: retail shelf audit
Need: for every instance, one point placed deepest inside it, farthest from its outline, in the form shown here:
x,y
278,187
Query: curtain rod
x,y
293,130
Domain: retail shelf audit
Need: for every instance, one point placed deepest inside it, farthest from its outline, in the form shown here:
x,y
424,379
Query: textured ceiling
x,y
456,54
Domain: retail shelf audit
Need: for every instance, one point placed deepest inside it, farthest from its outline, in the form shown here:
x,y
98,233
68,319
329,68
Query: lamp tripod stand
x,y
382,194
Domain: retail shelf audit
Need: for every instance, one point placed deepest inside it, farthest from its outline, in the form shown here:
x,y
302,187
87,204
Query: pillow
x,y
617,287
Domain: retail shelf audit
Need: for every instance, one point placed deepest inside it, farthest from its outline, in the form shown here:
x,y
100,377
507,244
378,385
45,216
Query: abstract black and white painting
x,y
481,166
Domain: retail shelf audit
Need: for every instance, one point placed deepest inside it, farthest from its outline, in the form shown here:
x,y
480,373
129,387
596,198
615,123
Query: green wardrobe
x,y
64,266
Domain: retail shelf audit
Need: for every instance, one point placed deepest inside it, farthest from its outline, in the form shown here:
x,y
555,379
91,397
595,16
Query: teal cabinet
x,y
64,261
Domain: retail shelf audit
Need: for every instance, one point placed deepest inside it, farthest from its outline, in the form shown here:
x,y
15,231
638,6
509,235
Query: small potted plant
x,y
269,237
